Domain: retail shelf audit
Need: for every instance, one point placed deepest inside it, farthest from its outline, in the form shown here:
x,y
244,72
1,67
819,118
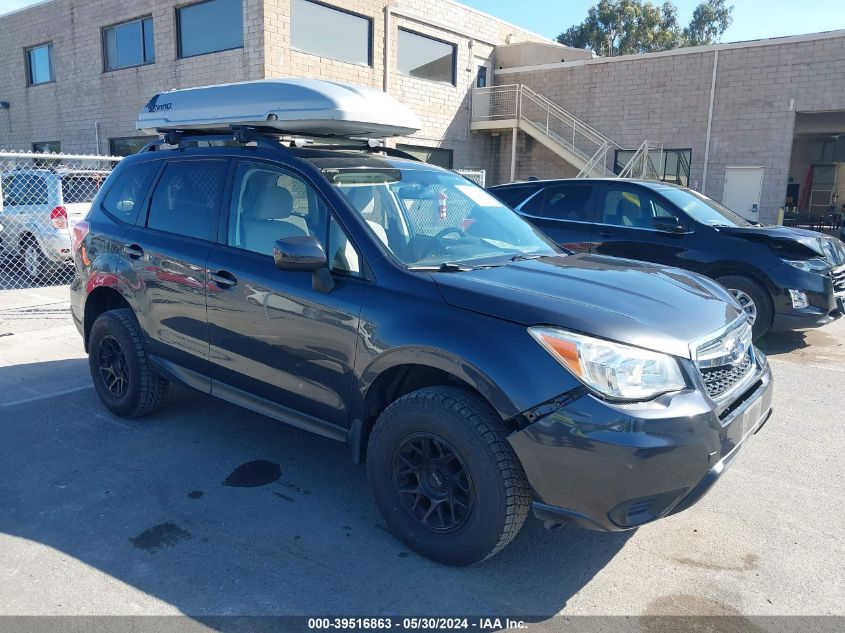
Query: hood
x,y
646,305
792,243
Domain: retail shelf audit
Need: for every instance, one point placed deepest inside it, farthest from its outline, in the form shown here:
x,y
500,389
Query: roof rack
x,y
267,138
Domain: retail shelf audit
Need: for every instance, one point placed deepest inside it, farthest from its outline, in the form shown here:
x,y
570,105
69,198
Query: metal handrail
x,y
518,102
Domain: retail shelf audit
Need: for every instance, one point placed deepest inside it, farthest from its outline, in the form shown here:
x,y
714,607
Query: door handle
x,y
223,279
133,251
605,234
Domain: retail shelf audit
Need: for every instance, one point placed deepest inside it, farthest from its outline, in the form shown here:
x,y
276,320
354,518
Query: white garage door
x,y
743,186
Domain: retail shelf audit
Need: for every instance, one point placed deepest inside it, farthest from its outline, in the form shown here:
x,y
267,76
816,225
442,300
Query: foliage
x,y
621,27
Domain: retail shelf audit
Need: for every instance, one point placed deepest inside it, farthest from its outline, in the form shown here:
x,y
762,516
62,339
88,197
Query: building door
x,y
823,188
743,186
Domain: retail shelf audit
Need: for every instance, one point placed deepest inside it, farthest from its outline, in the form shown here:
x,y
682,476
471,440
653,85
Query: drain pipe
x,y
388,13
709,121
96,137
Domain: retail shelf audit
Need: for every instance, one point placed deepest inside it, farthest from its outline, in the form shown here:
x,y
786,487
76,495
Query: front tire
x,y
445,477
755,301
120,367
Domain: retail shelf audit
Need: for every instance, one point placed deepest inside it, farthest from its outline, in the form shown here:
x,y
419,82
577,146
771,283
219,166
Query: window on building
x,y
426,58
481,77
187,197
206,27
39,64
128,145
128,44
329,32
433,155
47,147
675,167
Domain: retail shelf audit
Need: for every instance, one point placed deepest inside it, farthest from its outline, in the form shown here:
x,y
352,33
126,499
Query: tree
x,y
621,27
709,20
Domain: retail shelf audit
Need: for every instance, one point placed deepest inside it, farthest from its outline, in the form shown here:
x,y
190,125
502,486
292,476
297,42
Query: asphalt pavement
x,y
207,509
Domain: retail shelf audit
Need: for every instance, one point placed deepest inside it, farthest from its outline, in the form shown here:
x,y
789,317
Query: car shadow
x,y
219,511
780,343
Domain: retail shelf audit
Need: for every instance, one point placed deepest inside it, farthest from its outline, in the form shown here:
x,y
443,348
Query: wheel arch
x,y
99,300
405,371
739,269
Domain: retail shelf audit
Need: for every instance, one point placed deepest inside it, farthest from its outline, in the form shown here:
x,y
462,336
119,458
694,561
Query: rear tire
x,y
445,477
36,267
120,368
746,290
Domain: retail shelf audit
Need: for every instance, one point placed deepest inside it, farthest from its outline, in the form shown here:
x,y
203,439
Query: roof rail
x,y
267,138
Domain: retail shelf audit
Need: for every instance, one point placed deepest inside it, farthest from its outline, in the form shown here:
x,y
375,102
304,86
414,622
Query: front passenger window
x,y
626,209
270,203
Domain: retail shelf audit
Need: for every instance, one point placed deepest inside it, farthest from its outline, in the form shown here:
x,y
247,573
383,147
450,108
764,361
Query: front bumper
x,y
825,304
613,467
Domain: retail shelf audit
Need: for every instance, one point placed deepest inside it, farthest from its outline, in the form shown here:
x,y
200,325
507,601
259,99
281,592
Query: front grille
x,y
838,276
720,380
726,361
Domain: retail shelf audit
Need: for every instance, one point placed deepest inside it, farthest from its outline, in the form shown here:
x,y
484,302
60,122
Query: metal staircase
x,y
517,107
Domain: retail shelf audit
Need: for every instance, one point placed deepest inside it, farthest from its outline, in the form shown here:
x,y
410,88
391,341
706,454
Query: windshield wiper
x,y
521,257
445,267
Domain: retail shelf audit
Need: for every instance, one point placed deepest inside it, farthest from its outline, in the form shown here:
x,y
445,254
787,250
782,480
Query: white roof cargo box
x,y
307,107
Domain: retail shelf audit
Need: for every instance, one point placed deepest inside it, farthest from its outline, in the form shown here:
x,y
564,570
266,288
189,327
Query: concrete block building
x,y
757,125
75,73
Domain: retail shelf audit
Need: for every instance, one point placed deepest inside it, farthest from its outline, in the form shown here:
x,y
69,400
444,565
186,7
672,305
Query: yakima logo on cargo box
x,y
154,106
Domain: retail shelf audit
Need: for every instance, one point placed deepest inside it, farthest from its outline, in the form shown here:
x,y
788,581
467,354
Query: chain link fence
x,y
478,176
42,196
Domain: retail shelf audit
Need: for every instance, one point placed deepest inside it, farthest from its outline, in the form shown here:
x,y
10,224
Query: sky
x,y
753,19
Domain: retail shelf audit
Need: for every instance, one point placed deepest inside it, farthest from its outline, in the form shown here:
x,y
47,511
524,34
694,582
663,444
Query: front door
x,y
625,226
743,186
274,338
168,250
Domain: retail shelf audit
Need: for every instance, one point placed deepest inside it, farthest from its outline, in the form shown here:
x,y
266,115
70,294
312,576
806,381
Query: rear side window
x,y
513,196
80,189
128,190
187,196
562,202
24,190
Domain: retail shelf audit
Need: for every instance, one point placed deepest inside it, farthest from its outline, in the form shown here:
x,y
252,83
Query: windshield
x,y
703,209
431,218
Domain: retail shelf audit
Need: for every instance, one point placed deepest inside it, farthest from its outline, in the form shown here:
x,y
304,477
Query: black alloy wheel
x,y
432,482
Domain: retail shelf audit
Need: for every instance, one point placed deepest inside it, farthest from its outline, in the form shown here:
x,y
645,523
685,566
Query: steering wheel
x,y
449,230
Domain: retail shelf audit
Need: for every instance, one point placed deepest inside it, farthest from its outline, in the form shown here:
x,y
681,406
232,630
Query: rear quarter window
x,y
128,190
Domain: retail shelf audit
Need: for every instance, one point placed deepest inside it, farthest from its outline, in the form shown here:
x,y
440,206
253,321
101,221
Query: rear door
x,y
275,339
564,212
625,226
168,249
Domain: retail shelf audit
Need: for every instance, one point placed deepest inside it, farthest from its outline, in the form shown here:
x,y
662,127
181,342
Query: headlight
x,y
612,369
809,265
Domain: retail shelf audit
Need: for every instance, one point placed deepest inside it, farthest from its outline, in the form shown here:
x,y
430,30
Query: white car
x,y
38,208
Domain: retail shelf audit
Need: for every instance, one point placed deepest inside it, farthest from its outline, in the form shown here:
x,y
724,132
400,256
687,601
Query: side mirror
x,y
301,253
305,254
668,224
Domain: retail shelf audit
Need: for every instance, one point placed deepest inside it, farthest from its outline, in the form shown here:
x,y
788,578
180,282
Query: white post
x,y
513,155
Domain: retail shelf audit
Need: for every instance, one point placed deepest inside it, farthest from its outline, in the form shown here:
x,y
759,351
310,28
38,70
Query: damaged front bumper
x,y
610,467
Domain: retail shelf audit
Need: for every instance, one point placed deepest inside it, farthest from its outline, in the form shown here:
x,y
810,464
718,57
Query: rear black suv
x,y
476,367
783,277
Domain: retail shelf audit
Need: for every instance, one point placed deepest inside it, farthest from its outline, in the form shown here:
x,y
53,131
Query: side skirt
x,y
249,401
